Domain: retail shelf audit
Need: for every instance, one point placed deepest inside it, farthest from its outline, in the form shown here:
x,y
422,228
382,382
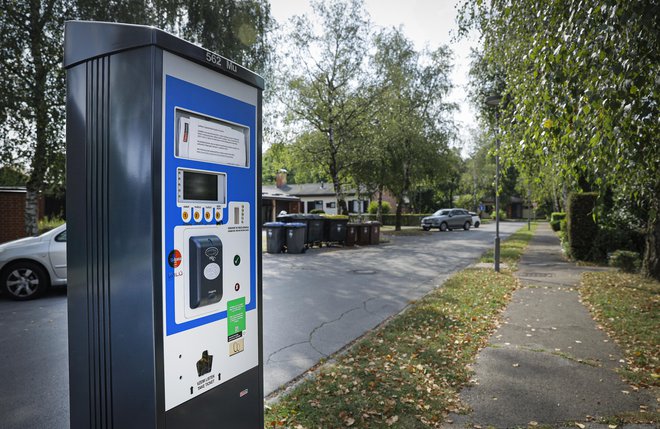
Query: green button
x,y
237,260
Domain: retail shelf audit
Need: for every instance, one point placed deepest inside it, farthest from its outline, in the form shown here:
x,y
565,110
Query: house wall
x,y
329,204
12,214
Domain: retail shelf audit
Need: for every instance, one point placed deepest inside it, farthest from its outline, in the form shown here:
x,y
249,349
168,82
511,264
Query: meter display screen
x,y
200,186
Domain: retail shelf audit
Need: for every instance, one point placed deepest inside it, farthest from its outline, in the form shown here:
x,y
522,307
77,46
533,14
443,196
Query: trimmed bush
x,y
625,260
557,216
316,211
502,215
373,207
554,224
581,229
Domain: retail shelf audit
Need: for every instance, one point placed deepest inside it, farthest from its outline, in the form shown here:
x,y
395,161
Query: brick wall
x,y
12,212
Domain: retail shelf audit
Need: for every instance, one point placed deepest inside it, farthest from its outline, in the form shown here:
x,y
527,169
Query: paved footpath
x,y
548,362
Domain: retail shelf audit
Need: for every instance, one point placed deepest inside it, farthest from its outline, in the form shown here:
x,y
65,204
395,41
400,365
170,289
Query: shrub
x,y
373,207
46,224
502,215
316,211
557,216
625,260
580,225
611,238
554,224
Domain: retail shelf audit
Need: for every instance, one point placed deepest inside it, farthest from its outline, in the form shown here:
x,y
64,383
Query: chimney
x,y
280,178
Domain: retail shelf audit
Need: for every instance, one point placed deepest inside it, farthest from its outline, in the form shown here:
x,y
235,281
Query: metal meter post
x,y
164,248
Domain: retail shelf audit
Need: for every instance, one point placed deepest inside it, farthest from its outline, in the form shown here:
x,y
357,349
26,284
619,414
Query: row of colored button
x,y
201,214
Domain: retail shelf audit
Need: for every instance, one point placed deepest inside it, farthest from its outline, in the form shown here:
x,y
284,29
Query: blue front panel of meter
x,y
240,181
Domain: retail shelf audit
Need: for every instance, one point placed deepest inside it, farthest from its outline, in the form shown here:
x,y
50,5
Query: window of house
x,y
331,205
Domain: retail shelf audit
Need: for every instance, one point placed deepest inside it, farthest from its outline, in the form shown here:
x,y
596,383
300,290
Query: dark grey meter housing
x,y
119,203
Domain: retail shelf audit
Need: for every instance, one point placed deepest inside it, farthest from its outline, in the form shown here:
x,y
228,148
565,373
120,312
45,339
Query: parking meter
x,y
163,212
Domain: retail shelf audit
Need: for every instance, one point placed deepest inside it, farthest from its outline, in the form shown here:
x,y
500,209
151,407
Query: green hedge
x,y
557,216
581,228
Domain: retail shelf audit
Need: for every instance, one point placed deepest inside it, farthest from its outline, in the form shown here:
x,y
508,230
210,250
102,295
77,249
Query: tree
x,y
581,94
413,142
33,92
32,78
326,86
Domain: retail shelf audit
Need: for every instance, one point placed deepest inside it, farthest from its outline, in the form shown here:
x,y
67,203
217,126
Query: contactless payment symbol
x,y
174,258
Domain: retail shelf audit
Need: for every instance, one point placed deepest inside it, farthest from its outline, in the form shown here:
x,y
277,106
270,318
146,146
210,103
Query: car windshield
x,y
441,213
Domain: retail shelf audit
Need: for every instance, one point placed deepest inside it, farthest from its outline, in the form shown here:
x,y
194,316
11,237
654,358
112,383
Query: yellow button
x,y
185,215
196,215
207,215
217,215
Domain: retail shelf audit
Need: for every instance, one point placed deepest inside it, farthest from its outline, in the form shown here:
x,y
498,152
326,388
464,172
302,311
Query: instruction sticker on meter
x,y
210,243
235,316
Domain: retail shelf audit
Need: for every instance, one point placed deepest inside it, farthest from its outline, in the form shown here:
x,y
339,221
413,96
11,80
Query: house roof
x,y
276,195
303,190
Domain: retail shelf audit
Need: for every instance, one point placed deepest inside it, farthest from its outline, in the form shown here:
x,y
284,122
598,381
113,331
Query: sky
x,y
427,23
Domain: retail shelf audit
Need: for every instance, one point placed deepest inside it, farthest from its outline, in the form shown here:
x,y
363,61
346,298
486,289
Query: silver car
x,y
447,219
30,265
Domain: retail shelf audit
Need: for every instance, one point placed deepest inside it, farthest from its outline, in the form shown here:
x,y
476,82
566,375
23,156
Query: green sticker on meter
x,y
236,316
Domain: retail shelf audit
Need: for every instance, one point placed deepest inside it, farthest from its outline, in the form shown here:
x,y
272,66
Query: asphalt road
x,y
314,304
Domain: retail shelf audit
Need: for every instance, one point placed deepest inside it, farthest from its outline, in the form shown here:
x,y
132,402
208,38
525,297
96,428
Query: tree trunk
x,y
31,212
39,159
651,261
399,209
379,208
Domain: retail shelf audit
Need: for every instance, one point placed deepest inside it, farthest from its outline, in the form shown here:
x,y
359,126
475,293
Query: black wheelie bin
x,y
274,237
295,233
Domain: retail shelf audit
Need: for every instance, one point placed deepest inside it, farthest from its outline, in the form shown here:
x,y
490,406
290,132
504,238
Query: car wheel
x,y
476,225
443,226
466,226
24,280
426,228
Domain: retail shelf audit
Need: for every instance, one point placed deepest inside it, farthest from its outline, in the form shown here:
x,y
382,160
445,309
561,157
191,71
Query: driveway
x,y
314,304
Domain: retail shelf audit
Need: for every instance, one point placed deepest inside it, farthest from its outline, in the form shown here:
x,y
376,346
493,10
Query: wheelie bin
x,y
335,229
274,237
295,233
351,234
315,225
374,233
364,234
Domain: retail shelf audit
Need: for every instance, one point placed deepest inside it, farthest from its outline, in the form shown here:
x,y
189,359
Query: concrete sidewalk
x,y
548,363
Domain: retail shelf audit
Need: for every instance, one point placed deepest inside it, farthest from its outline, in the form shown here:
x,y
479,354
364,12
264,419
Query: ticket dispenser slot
x,y
205,270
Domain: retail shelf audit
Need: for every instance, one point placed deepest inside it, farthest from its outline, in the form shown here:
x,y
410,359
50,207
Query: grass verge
x,y
511,249
628,307
408,372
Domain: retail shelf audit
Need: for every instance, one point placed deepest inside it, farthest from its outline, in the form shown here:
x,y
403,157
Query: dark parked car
x,y
445,219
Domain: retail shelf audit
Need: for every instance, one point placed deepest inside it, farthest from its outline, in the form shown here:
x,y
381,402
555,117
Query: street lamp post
x,y
494,101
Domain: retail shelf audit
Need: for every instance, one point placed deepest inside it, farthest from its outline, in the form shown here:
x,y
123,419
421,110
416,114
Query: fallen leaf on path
x,y
580,425
515,365
533,423
349,421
